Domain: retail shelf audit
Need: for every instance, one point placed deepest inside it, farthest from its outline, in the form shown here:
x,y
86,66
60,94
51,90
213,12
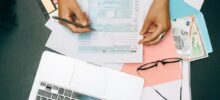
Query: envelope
x,y
179,8
204,31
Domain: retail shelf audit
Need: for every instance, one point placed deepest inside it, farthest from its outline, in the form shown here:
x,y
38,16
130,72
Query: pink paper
x,y
163,73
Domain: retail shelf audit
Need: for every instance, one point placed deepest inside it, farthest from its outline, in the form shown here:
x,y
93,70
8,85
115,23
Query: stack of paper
x,y
110,47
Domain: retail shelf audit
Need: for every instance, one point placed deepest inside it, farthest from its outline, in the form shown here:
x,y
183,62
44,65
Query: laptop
x,y
63,78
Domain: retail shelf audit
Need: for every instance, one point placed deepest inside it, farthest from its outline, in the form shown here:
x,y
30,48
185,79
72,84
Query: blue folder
x,y
178,9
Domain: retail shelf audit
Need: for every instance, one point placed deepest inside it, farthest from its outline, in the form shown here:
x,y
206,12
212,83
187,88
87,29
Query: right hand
x,y
156,22
70,10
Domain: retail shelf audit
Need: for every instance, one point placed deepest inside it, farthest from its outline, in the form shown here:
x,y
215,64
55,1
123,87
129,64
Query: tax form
x,y
116,25
115,40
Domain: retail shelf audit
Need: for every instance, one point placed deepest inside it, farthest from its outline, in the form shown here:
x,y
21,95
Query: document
x,y
116,27
115,39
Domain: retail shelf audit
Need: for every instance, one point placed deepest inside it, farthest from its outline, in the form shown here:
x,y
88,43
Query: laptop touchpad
x,y
90,79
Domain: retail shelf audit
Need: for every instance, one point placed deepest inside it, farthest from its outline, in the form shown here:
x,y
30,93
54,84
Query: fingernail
x,y
84,23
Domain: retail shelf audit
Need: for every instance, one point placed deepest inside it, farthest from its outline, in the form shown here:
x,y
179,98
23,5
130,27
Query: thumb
x,y
146,26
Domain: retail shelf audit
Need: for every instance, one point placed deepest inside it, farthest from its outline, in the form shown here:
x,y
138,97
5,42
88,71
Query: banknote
x,y
188,39
198,48
181,31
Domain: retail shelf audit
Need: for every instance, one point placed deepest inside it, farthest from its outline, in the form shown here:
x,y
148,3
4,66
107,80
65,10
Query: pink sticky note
x,y
163,73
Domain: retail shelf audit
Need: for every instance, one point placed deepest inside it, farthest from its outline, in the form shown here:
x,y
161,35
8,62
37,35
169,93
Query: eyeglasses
x,y
150,65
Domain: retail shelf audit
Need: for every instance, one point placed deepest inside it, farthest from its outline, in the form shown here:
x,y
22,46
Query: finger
x,y
73,16
146,35
72,27
152,36
77,21
142,40
87,17
76,29
145,27
151,29
157,40
80,15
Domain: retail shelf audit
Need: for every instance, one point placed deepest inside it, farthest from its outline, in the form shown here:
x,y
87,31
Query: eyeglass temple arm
x,y
160,94
171,61
140,68
181,93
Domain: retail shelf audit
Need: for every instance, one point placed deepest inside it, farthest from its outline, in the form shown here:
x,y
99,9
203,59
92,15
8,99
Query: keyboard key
x,y
60,97
55,87
43,84
44,93
68,93
49,99
54,96
38,97
61,90
66,98
78,95
75,95
43,98
48,87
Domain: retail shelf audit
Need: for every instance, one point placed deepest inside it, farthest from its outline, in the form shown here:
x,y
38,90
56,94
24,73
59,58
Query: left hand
x,y
156,22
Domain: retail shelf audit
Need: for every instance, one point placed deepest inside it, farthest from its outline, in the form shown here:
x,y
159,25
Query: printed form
x,y
115,40
117,29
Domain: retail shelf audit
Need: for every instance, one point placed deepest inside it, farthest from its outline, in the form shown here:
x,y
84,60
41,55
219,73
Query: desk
x,y
21,49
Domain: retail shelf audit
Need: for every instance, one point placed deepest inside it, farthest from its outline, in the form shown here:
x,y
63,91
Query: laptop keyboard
x,y
49,91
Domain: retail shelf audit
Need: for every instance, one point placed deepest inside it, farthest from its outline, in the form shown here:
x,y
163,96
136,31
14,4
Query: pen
x,y
70,22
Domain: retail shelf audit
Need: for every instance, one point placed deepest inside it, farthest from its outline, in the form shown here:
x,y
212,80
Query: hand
x,y
70,10
156,22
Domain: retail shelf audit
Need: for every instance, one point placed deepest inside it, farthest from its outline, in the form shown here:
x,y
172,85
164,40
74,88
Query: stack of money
x,y
188,39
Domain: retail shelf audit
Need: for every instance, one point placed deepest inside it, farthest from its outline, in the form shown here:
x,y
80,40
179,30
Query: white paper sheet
x,y
171,90
195,3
